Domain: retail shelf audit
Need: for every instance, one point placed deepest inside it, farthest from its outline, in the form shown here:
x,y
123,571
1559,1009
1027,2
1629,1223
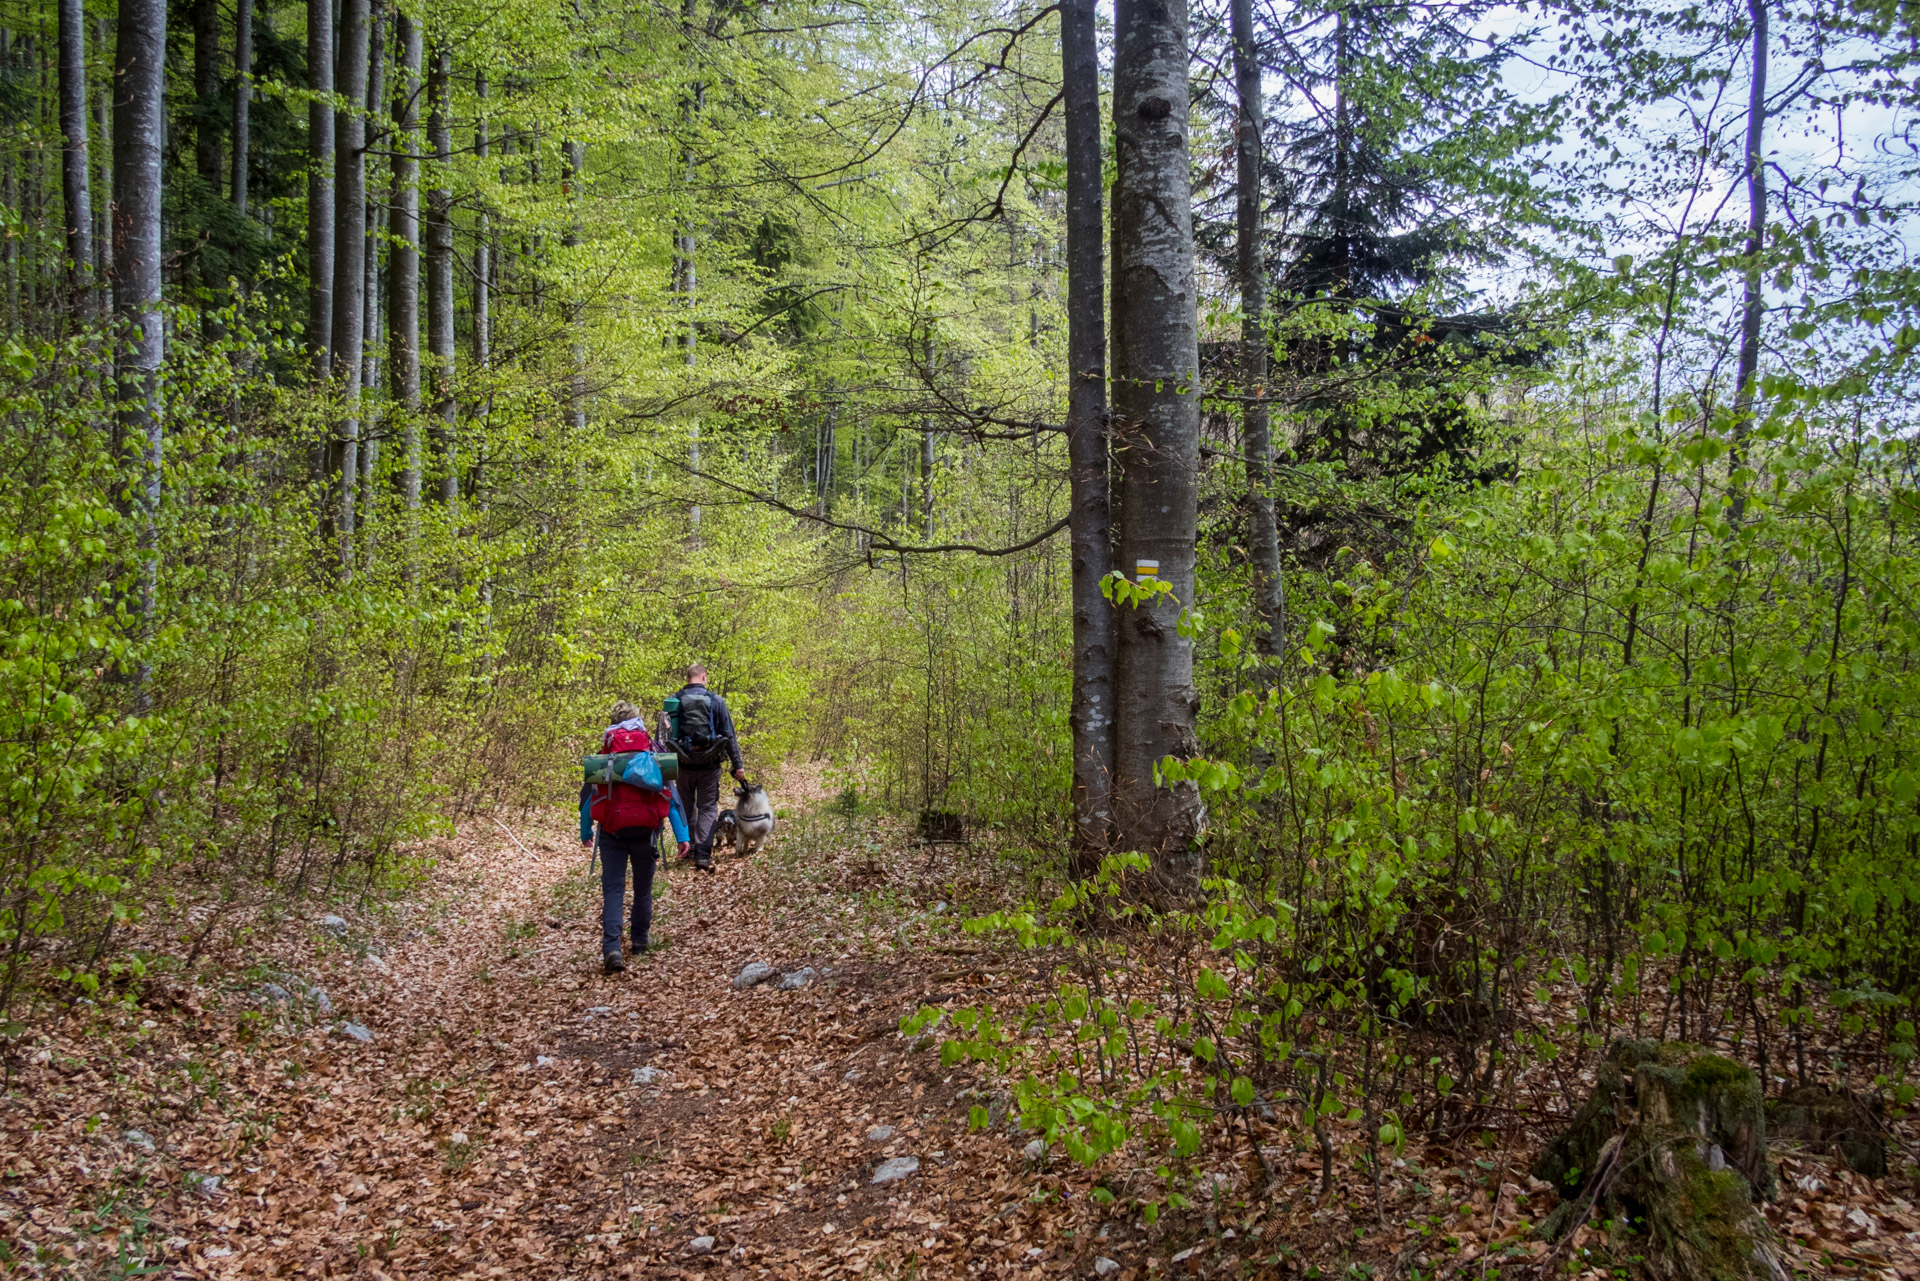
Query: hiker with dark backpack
x,y
702,737
630,816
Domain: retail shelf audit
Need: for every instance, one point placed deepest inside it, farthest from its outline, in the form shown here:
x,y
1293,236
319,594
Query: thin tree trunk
x,y
349,262
242,140
320,187
482,247
1256,441
103,209
403,258
371,292
139,129
1753,305
1090,526
439,245
1156,425
205,18
570,191
76,171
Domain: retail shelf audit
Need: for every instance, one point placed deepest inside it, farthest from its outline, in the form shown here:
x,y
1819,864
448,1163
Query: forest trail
x,y
518,1112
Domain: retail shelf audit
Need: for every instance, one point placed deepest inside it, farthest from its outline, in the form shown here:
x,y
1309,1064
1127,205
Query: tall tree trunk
x,y
242,140
403,258
482,247
103,209
1753,305
1256,440
320,186
1090,519
139,129
439,242
349,262
371,293
205,17
1156,426
76,171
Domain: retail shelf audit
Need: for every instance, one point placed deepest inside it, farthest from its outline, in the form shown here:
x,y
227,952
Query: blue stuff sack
x,y
644,772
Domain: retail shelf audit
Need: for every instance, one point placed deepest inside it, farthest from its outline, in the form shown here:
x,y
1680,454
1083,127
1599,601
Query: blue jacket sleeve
x,y
586,812
673,813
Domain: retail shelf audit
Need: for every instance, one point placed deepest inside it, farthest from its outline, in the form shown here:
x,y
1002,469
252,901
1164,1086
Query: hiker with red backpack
x,y
630,815
703,737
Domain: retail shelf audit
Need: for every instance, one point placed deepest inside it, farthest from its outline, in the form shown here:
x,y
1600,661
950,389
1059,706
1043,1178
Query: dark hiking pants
x,y
700,803
617,849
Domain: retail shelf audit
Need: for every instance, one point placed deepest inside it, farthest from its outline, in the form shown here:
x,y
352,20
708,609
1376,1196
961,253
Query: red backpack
x,y
617,806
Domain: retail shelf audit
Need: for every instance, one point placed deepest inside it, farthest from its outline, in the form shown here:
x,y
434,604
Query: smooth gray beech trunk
x,y
1156,429
76,172
320,186
1753,304
204,16
139,132
403,256
1090,527
242,140
1256,436
349,263
439,246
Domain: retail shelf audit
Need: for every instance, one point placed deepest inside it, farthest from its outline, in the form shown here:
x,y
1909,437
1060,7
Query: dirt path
x,y
516,1112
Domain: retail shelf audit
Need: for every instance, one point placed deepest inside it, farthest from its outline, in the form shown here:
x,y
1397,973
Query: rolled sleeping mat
x,y
612,768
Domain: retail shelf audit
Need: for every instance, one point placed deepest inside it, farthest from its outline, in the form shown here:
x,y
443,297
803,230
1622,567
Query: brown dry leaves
x,y
495,1126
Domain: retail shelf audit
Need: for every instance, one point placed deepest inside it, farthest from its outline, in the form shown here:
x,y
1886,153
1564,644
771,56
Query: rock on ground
x,y
896,1169
880,1134
753,975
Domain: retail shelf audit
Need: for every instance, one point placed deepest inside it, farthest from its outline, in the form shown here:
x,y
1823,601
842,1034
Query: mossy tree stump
x,y
1673,1143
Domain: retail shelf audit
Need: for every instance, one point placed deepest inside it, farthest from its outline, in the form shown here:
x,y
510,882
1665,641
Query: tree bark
x,y
403,257
1753,305
76,172
242,100
320,187
205,17
103,208
1156,426
1091,525
1256,440
139,130
371,294
439,245
349,262
482,246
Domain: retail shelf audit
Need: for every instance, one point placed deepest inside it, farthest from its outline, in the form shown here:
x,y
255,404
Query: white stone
x,y
898,1168
880,1134
140,1139
541,1060
700,1245
334,925
753,975
649,1075
355,1031
797,979
1104,1267
1035,1151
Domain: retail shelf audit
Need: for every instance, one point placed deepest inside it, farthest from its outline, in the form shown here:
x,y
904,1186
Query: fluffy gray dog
x,y
752,817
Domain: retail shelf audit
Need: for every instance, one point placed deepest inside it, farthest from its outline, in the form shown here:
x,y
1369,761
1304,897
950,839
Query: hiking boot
x,y
639,945
703,861
614,962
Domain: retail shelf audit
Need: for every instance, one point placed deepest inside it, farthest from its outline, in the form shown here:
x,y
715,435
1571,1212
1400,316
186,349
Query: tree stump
x,y
1673,1144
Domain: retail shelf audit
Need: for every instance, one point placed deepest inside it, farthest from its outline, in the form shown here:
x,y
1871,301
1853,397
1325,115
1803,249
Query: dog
x,y
726,831
752,816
